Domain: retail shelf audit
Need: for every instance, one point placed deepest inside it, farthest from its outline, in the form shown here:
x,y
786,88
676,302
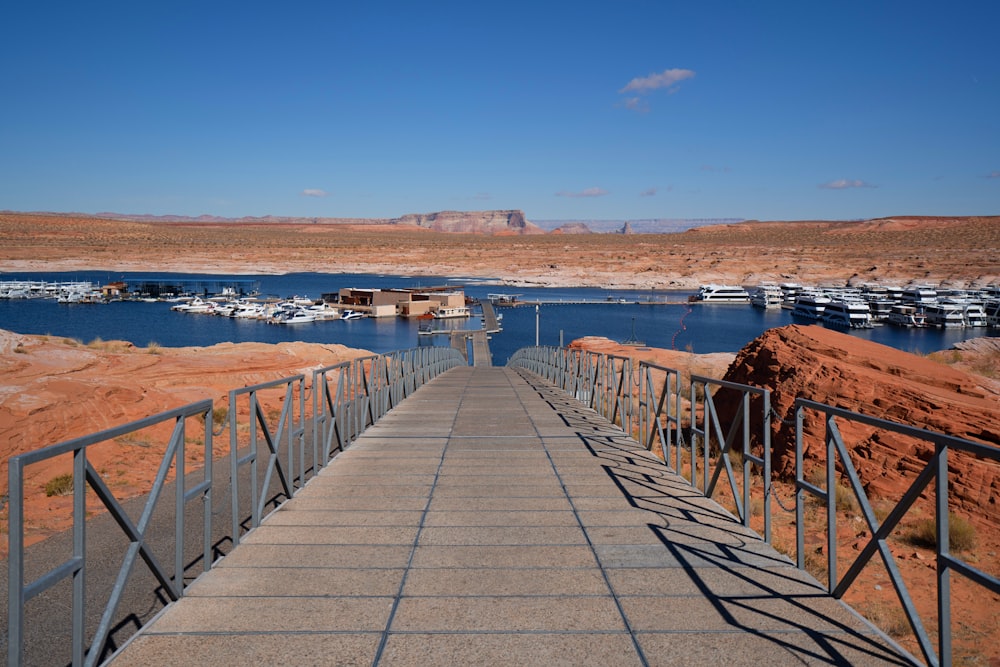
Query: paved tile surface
x,y
491,520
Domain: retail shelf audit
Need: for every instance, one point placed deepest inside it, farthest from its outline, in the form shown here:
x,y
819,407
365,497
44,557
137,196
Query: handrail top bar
x,y
730,385
368,357
344,364
954,442
650,364
199,407
267,385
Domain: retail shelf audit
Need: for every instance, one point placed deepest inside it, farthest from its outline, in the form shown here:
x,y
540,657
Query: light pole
x,y
536,325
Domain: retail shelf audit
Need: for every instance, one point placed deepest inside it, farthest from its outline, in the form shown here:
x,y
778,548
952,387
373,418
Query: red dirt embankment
x,y
54,389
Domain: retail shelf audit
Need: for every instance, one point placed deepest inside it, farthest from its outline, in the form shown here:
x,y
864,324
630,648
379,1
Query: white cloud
x,y
845,184
314,192
589,192
636,104
668,78
649,192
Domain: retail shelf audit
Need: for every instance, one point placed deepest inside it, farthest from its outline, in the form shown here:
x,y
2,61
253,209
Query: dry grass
x,y
60,485
961,534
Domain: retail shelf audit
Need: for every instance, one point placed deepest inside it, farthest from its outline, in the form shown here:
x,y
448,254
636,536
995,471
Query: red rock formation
x,y
844,371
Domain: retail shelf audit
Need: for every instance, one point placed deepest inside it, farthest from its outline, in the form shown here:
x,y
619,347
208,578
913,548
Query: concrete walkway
x,y
489,520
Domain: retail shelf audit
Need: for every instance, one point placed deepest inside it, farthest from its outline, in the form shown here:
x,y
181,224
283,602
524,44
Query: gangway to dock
x,y
492,519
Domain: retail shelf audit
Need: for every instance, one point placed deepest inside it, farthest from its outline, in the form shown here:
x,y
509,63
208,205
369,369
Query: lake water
x,y
702,328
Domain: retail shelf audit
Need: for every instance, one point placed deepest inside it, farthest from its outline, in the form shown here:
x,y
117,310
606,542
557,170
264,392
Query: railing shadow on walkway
x,y
683,515
645,400
76,597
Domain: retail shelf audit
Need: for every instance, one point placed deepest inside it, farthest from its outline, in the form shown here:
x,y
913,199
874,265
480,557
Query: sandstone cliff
x,y
476,222
573,228
844,371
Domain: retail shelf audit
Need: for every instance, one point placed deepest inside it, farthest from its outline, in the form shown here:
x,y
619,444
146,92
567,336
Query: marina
x,y
661,319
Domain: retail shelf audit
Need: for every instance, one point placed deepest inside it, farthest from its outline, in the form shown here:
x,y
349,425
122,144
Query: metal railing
x,y
287,427
75,568
935,470
273,454
629,397
586,375
741,426
660,411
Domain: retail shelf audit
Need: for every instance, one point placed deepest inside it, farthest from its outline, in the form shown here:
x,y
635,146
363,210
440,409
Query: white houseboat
x,y
721,294
766,296
810,305
944,315
845,314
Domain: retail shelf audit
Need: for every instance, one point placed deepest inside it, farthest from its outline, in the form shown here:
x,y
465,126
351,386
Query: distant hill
x,y
641,226
471,222
511,221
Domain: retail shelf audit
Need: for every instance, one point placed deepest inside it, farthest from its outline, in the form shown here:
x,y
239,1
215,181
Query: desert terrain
x,y
53,389
953,251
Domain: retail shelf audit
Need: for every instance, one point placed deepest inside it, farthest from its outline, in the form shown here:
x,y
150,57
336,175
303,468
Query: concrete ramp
x,y
491,520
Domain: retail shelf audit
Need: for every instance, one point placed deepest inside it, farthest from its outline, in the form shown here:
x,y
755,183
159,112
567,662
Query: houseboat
x,y
721,294
810,305
767,296
945,315
906,316
992,310
845,314
919,295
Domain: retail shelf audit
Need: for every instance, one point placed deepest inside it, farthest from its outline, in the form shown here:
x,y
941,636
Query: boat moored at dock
x,y
721,294
846,314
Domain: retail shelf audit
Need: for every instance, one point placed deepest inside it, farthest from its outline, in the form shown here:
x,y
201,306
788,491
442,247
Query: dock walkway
x,y
490,519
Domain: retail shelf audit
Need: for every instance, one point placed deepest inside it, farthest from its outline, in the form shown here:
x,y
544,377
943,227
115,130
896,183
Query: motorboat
x,y
721,294
351,315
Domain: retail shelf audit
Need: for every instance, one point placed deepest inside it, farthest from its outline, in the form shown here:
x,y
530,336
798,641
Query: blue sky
x,y
584,110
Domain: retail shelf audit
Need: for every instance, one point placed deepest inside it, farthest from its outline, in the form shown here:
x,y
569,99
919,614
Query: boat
x,y
292,316
721,294
992,310
810,305
974,315
301,316
902,315
919,295
846,314
452,312
767,296
195,305
351,315
945,315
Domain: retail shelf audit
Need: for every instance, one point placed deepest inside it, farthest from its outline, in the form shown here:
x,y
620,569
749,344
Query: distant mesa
x,y
471,222
573,228
496,222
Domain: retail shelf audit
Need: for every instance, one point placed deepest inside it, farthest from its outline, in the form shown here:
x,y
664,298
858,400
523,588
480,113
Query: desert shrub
x,y
844,497
60,485
153,347
219,415
891,619
961,533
